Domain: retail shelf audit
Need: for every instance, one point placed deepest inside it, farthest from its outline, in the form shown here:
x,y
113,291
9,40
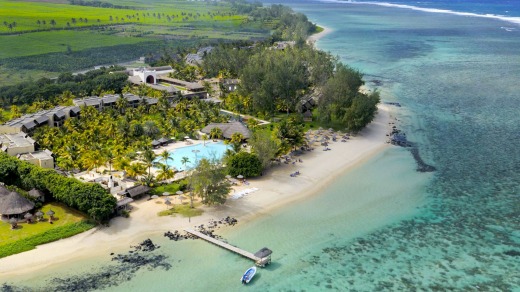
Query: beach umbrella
x,y
228,176
28,216
50,213
14,223
240,176
39,214
168,203
186,137
179,193
181,197
154,196
165,194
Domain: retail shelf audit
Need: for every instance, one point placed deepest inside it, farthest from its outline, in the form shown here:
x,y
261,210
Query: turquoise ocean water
x,y
383,226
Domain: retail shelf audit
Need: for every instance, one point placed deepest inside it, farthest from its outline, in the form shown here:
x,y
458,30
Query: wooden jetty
x,y
261,258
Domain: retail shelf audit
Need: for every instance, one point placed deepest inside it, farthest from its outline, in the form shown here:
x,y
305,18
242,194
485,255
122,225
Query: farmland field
x,y
43,37
59,41
31,16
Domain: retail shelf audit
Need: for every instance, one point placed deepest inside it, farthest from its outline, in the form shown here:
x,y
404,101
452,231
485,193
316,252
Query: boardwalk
x,y
258,260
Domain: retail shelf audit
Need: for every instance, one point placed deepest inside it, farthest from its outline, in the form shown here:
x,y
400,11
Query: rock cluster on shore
x,y
208,229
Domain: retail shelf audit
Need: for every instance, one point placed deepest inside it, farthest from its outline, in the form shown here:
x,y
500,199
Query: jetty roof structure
x,y
264,252
228,129
14,204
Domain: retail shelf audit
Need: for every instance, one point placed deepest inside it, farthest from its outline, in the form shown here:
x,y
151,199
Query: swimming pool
x,y
195,153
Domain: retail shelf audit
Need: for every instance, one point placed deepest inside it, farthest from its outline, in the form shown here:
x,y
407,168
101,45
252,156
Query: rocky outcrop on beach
x,y
208,229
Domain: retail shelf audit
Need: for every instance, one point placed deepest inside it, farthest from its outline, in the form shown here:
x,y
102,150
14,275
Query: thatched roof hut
x,y
136,191
37,194
228,129
4,191
14,204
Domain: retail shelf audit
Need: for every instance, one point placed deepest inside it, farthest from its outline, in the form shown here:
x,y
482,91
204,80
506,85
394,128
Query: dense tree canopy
x,y
209,182
91,83
264,146
341,101
89,198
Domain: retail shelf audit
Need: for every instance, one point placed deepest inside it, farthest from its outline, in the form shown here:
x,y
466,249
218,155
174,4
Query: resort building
x,y
110,101
228,129
29,122
149,75
159,80
196,59
42,158
14,144
283,45
135,191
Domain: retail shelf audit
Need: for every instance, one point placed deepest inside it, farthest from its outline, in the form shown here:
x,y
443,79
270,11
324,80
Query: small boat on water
x,y
248,275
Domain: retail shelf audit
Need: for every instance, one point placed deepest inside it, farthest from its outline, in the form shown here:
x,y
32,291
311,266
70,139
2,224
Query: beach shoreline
x,y
314,38
276,188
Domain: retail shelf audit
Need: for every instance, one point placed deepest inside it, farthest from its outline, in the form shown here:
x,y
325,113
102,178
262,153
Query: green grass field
x,y
59,41
68,223
26,15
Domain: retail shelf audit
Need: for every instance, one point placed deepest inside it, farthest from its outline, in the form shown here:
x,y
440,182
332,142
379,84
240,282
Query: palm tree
x,y
121,163
135,169
215,133
204,138
109,157
148,158
185,160
165,172
165,156
150,129
121,104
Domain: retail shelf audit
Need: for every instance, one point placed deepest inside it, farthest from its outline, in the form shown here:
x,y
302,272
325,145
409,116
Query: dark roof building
x,y
136,191
15,204
228,129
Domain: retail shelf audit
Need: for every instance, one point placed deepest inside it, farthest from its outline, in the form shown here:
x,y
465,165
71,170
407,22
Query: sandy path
x,y
275,189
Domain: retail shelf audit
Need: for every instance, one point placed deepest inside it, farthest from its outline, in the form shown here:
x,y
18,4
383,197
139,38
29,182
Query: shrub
x,y
246,164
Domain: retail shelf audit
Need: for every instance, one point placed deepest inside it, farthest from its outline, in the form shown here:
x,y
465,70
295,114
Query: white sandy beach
x,y
316,37
275,188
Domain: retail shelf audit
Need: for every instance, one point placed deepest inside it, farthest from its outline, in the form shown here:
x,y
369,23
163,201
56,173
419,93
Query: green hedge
x,y
45,237
89,198
246,164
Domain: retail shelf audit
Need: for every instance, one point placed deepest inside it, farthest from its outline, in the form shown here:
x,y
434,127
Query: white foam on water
x,y
515,20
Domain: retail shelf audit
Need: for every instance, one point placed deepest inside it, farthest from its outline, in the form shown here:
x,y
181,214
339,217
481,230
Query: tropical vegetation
x,y
88,198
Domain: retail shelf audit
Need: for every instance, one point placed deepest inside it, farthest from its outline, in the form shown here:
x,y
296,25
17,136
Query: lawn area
x,y
184,210
67,223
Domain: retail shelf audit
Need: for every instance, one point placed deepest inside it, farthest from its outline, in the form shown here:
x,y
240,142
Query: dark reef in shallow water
x,y
141,256
398,138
